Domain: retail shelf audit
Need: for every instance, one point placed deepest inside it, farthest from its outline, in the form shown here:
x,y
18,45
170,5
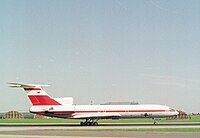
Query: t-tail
x,y
38,96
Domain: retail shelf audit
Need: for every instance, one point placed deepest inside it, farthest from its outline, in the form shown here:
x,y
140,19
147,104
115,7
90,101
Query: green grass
x,y
194,118
52,120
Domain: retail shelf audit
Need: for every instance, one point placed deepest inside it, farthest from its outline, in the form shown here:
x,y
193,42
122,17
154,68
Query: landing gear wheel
x,y
88,123
82,123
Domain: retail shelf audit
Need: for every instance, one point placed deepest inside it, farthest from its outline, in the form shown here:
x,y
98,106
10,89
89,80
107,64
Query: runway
x,y
77,131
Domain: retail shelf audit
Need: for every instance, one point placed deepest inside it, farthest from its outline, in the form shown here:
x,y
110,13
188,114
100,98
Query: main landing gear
x,y
89,122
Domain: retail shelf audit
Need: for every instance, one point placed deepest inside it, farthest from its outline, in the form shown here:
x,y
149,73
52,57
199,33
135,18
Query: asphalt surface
x,y
67,130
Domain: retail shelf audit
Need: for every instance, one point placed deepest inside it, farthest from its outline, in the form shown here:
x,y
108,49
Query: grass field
x,y
194,118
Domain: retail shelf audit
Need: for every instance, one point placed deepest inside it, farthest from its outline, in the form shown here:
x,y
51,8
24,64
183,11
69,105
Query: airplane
x,y
44,104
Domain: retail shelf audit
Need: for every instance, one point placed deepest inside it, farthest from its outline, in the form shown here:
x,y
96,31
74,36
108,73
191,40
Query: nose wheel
x,y
155,122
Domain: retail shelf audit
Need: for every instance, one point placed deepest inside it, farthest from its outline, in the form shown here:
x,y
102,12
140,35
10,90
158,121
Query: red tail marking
x,y
42,100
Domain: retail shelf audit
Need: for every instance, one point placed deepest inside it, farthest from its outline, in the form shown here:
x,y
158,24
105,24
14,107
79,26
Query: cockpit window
x,y
171,109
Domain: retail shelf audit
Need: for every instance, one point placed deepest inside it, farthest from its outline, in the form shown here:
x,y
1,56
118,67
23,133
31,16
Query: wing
x,y
96,116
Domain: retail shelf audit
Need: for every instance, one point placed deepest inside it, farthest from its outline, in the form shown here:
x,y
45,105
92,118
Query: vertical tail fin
x,y
36,94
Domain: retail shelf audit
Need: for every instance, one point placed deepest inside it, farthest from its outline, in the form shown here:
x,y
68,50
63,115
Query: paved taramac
x,y
92,134
67,130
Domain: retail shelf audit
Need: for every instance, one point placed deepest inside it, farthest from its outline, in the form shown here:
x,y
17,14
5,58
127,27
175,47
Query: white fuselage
x,y
63,107
121,111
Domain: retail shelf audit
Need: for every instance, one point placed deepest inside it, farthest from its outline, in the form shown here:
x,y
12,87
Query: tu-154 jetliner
x,y
43,104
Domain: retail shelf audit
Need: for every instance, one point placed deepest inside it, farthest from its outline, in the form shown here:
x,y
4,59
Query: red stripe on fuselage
x,y
42,100
121,111
31,89
108,111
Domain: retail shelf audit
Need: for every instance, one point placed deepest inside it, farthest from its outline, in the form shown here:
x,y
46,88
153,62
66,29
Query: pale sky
x,y
102,50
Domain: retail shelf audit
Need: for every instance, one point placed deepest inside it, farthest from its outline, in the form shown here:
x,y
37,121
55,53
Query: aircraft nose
x,y
176,112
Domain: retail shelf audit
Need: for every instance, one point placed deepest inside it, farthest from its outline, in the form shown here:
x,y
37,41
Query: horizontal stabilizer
x,y
22,85
36,94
